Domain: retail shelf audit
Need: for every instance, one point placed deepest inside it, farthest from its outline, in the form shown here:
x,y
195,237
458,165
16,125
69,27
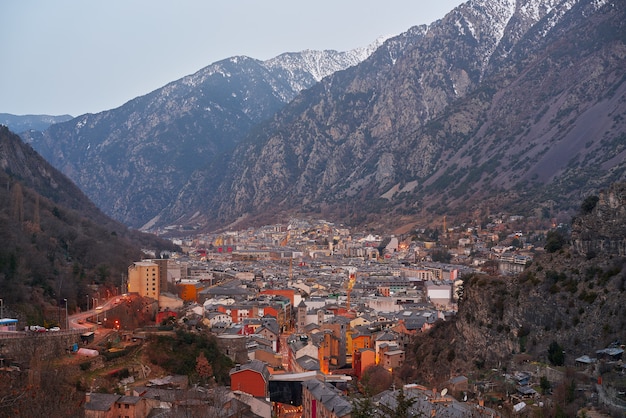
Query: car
x,y
54,329
98,308
37,328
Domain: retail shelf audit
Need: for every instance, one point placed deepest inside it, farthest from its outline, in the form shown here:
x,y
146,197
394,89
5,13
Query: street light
x,y
87,296
67,319
1,308
94,302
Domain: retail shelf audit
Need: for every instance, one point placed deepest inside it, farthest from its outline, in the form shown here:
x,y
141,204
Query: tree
x,y
545,385
376,379
589,204
403,405
441,255
17,200
363,408
554,241
203,368
556,354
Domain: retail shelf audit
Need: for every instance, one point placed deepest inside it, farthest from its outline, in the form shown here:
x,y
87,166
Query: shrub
x,y
554,241
555,354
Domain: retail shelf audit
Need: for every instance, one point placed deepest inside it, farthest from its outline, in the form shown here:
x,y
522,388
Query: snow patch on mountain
x,y
299,67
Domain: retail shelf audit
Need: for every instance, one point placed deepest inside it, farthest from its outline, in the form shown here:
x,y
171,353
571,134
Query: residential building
x,y
143,278
251,378
362,359
323,400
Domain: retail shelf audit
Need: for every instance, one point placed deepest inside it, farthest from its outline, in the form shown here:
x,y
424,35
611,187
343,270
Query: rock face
x,y
135,160
497,97
501,104
574,299
604,229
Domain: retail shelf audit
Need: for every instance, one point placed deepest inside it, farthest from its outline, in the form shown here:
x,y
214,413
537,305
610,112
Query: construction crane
x,y
351,282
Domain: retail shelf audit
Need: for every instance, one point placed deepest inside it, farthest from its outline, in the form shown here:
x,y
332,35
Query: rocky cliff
x,y
602,229
573,299
517,101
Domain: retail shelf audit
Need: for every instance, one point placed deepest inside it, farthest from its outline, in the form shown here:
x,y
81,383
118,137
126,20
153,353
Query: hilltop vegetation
x,y
54,241
566,304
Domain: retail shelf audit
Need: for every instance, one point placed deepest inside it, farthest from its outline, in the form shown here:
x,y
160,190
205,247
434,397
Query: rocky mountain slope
x,y
55,242
501,105
21,123
499,100
132,161
566,296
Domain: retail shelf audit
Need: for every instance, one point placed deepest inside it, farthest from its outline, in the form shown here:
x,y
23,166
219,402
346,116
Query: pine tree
x,y
403,405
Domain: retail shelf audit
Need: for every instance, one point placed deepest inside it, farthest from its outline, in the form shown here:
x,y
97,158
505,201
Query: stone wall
x,y
22,347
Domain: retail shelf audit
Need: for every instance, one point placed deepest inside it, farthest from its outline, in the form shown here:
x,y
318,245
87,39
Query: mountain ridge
x,y
394,129
479,109
153,144
21,123
55,241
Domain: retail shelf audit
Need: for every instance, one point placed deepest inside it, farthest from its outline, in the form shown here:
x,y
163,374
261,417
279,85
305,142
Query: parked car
x,y
36,328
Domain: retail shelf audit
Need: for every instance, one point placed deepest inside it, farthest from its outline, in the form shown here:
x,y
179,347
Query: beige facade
x,y
144,279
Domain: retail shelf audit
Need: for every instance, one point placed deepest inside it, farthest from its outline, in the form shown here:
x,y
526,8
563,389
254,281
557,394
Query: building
x,y
362,359
323,400
251,378
188,291
392,358
169,301
143,278
301,316
104,405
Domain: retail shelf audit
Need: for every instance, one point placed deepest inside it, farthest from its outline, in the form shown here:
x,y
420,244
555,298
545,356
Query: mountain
x,y
55,242
132,161
570,298
501,105
21,123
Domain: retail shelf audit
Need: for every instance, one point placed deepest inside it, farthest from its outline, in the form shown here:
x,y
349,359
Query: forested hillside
x,y
54,241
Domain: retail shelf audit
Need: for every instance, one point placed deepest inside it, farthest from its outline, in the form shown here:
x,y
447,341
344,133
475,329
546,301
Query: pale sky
x,y
86,56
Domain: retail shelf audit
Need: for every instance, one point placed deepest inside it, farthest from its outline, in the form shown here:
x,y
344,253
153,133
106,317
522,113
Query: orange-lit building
x,y
362,359
359,341
329,351
144,279
189,291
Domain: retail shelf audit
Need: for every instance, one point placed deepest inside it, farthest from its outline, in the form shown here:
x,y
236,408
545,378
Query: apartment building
x,y
144,279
